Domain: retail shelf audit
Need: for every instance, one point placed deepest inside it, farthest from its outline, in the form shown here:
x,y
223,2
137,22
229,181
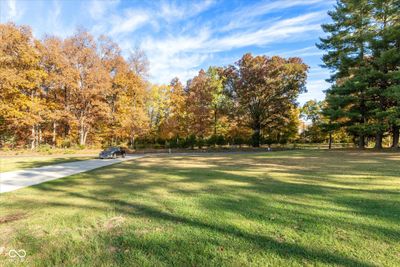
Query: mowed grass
x,y
12,163
275,209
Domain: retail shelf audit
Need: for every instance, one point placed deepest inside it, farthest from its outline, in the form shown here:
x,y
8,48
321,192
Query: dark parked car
x,y
112,152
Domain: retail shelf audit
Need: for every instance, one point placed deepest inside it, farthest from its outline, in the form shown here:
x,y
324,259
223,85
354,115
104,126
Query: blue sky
x,y
181,37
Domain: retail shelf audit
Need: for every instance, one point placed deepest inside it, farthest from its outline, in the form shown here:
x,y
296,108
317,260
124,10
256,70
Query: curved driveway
x,y
13,180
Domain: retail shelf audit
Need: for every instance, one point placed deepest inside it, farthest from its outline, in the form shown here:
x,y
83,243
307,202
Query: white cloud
x,y
284,29
98,8
315,90
53,18
108,20
10,11
12,7
170,11
182,54
175,54
244,17
302,52
318,73
132,20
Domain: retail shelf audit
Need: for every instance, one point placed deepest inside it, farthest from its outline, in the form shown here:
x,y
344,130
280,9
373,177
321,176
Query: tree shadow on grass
x,y
283,249
118,188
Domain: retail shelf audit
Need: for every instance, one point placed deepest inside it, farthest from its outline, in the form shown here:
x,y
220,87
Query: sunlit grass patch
x,y
280,208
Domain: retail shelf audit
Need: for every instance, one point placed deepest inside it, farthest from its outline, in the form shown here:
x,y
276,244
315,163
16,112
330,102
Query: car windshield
x,y
111,149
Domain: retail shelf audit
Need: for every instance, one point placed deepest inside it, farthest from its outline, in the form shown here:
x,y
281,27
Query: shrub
x,y
64,143
212,140
44,148
238,140
200,142
158,146
190,141
220,140
173,143
81,146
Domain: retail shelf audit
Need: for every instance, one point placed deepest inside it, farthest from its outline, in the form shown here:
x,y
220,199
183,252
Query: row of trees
x,y
363,51
254,99
81,90
67,91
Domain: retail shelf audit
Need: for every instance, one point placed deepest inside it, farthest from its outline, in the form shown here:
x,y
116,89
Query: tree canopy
x,y
362,50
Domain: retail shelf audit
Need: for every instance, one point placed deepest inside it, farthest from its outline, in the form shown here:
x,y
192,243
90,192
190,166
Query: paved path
x,y
13,180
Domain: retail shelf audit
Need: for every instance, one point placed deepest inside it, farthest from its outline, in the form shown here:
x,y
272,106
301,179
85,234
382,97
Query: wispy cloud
x,y
10,11
173,55
315,89
181,49
171,11
180,37
284,29
129,22
12,8
249,16
308,51
98,8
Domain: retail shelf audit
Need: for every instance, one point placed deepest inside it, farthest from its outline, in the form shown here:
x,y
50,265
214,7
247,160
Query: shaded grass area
x,y
286,208
12,163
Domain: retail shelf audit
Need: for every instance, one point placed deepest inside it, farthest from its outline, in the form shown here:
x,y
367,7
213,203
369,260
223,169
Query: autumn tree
x,y
200,99
312,113
158,107
139,62
175,124
74,88
21,94
91,83
57,86
266,89
131,116
219,98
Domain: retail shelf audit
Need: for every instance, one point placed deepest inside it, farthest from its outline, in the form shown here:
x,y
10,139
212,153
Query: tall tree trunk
x,y
215,122
396,134
66,130
85,134
133,141
256,135
81,134
54,133
330,140
33,137
361,142
39,140
378,140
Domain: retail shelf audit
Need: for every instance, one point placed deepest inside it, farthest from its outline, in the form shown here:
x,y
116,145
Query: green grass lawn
x,y
278,209
12,163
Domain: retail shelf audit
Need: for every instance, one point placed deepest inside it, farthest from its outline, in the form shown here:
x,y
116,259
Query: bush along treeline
x,y
363,51
81,91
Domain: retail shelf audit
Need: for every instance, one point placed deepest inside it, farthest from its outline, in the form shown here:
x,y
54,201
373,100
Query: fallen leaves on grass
x,y
12,217
114,222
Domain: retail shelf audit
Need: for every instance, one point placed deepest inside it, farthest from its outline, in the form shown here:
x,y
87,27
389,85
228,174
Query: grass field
x,y
279,209
12,163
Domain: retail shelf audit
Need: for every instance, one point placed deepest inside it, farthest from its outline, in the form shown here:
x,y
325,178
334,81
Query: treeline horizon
x,y
81,91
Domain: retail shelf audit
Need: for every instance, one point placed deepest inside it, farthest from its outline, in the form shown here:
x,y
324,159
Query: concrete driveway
x,y
13,180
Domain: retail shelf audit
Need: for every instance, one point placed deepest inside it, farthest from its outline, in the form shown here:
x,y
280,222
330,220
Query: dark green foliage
x,y
363,52
190,141
200,142
212,141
